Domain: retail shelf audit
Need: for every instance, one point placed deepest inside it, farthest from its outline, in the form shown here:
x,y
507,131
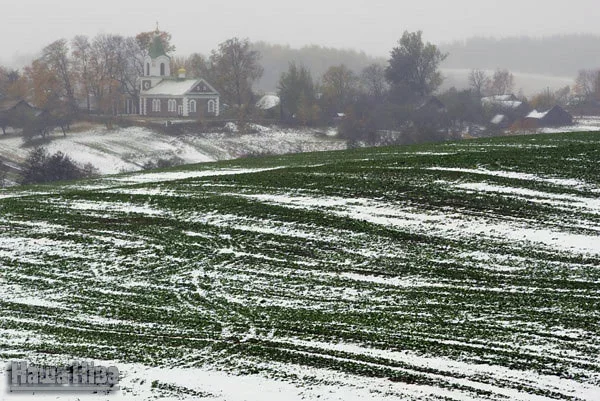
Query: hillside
x,y
463,270
128,149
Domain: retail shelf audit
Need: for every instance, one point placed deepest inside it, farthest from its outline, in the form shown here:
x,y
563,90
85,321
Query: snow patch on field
x,y
182,175
447,225
567,182
591,204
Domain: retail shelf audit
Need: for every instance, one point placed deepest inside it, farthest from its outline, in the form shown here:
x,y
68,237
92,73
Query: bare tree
x,y
115,64
587,83
339,87
82,52
479,81
195,65
373,80
237,68
56,57
131,68
503,82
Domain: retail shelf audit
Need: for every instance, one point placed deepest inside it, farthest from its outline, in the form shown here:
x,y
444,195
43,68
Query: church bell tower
x,y
157,64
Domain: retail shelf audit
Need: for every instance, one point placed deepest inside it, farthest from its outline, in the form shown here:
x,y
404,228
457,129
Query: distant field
x,y
530,84
457,271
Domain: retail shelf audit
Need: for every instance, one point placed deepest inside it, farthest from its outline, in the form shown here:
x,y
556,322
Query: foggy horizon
x,y
332,24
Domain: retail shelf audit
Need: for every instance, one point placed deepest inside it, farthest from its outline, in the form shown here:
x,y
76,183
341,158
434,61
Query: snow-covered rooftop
x,y
537,114
498,118
501,102
504,98
172,87
268,102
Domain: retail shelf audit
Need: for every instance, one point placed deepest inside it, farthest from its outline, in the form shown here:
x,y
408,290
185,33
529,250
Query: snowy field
x,y
458,271
128,149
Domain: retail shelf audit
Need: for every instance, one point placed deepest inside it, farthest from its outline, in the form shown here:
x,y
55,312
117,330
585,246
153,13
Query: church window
x,y
156,105
172,106
148,69
162,69
211,106
193,108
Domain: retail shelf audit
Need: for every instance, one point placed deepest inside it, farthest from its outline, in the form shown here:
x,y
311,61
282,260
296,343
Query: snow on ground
x,y
128,149
592,205
569,182
446,225
181,175
136,384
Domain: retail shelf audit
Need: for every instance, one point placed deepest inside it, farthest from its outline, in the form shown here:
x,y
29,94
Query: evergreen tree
x,y
414,66
297,90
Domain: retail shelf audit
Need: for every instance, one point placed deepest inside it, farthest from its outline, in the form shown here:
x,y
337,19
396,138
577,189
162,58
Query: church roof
x,y
179,87
157,48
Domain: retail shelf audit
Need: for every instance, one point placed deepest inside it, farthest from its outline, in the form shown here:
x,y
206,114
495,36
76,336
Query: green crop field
x,y
467,271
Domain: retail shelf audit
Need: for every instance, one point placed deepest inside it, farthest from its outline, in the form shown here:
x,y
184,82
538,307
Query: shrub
x,y
42,167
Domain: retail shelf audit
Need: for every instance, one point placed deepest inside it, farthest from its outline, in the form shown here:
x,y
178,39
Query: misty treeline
x,y
276,59
559,55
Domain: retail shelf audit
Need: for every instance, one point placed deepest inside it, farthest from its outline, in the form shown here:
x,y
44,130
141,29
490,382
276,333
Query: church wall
x,y
201,108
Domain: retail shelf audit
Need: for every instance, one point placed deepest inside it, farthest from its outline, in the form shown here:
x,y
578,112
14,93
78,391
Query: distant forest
x,y
276,59
560,55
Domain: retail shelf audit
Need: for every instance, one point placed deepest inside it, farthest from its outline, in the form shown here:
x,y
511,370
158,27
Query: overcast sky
x,y
370,25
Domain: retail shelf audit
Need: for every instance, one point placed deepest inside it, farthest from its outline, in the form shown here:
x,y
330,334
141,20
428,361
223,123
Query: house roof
x,y
538,115
554,111
503,98
503,101
267,102
9,104
178,87
431,101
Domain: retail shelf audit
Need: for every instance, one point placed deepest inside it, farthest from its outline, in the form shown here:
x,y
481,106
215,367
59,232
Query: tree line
x,y
95,75
380,96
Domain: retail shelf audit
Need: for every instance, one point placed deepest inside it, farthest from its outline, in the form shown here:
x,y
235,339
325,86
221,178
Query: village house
x,y
555,117
505,109
13,112
162,95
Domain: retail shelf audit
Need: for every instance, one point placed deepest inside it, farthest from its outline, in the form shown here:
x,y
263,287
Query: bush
x,y
163,163
42,167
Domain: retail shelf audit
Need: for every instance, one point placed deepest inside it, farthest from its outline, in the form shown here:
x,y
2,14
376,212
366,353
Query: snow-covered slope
x,y
128,149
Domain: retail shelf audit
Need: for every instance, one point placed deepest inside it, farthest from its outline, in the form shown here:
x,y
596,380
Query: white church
x,y
162,95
